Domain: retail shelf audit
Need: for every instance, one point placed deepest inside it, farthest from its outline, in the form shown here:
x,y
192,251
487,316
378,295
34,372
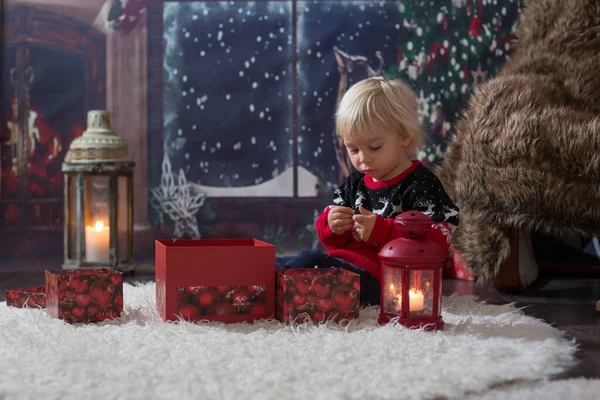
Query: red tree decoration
x,y
125,14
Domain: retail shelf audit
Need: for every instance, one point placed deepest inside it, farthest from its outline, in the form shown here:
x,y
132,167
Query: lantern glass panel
x,y
72,215
97,228
392,283
421,293
123,219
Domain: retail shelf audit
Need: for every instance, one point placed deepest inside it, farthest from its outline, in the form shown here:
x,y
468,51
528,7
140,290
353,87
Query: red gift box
x,y
226,280
30,297
318,293
84,295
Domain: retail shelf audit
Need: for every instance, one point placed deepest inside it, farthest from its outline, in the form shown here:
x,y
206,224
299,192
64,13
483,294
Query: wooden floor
x,y
567,304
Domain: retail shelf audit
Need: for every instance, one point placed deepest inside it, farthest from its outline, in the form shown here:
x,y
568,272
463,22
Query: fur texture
x,y
526,153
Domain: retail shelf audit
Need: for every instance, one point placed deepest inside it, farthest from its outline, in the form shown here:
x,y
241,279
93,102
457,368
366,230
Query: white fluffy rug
x,y
140,357
578,388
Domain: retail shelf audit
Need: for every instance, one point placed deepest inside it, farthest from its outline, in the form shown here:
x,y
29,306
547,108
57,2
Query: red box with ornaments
x,y
226,280
31,297
84,295
320,294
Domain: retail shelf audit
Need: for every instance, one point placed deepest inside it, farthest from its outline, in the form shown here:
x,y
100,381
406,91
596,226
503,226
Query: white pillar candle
x,y
97,239
416,300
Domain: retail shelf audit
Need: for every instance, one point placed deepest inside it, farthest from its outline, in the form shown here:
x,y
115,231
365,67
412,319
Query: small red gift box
x,y
226,280
30,297
318,293
84,295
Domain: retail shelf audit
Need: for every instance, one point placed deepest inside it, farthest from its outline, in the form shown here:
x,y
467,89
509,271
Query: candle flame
x,y
99,225
392,286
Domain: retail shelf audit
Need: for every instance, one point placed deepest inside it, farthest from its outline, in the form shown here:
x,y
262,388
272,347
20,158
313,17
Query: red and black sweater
x,y
417,188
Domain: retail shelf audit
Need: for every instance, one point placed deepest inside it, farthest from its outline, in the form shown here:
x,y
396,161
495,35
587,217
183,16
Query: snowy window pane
x,y
235,80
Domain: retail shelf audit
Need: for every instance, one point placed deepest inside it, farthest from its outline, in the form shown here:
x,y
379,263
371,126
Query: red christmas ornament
x,y
134,7
475,27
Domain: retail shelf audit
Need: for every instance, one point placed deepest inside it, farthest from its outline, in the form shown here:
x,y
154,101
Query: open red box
x,y
226,280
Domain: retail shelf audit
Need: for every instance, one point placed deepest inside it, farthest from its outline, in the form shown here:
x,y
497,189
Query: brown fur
x,y
527,150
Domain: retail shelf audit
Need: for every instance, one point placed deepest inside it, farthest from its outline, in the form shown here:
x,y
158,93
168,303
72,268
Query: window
x,y
250,89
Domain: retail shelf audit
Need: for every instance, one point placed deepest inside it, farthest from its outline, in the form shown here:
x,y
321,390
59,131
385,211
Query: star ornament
x,y
479,75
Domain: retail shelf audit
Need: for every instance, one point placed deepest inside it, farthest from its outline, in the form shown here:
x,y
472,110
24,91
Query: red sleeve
x,y
329,239
384,231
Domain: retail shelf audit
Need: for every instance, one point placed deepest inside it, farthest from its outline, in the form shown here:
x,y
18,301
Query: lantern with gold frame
x,y
98,181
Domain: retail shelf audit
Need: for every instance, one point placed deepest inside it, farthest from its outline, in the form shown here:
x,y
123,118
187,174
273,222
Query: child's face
x,y
382,156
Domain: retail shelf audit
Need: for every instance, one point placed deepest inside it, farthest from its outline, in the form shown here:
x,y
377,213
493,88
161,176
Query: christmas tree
x,y
447,48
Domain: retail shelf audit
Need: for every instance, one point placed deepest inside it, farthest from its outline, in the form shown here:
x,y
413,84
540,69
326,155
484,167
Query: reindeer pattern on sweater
x,y
419,189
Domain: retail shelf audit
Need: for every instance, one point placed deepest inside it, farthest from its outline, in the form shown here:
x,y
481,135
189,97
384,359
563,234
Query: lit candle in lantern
x,y
97,242
414,264
416,300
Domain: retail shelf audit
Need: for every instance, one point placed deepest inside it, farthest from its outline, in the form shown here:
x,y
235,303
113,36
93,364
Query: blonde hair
x,y
377,105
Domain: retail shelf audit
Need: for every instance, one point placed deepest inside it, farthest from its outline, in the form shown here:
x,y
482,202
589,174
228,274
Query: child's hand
x,y
364,223
340,219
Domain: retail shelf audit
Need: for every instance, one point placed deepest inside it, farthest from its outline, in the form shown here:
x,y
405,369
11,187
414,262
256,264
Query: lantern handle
x,y
413,224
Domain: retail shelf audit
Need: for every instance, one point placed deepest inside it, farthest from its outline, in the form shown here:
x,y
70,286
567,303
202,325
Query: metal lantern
x,y
98,199
411,280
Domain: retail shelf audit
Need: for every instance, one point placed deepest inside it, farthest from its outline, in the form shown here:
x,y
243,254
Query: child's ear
x,y
406,141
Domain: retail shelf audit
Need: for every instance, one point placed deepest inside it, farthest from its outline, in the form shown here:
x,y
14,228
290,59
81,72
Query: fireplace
x,y
53,72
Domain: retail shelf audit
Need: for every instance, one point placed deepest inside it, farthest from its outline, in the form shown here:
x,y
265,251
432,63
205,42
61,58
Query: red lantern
x,y
412,271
